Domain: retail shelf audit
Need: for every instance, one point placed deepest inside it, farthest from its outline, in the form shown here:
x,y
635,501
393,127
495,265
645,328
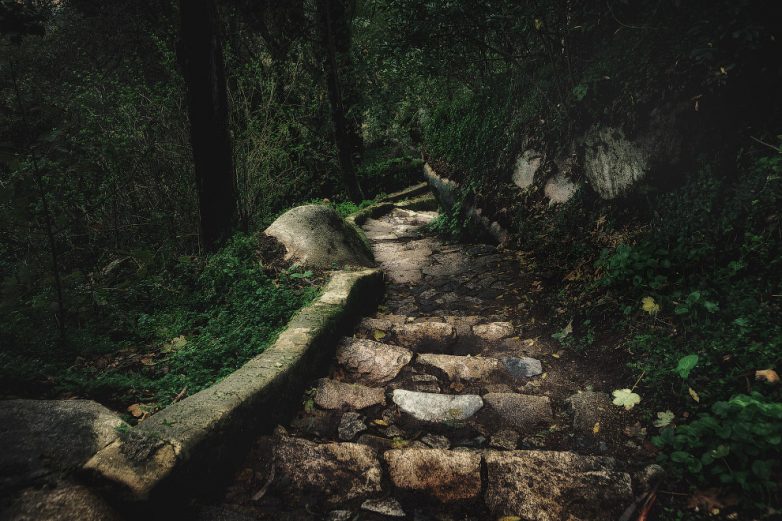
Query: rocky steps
x,y
440,408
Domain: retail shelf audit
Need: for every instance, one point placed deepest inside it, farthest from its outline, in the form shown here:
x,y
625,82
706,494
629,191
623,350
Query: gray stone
x,y
506,439
493,330
526,165
425,383
371,362
437,408
521,411
426,336
446,475
559,189
436,441
554,486
332,394
315,235
460,367
350,425
524,367
50,437
589,408
387,507
612,163
331,472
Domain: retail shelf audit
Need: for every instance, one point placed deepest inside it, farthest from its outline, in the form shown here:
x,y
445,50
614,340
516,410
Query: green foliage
x,y
739,442
206,321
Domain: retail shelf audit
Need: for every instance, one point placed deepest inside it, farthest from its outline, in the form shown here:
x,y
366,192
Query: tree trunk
x,y
334,29
201,57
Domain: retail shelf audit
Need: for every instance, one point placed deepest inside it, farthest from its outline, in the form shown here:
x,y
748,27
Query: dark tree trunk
x,y
334,29
201,57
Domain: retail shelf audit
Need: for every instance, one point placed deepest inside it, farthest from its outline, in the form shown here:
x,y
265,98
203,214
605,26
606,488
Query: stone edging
x,y
205,433
447,191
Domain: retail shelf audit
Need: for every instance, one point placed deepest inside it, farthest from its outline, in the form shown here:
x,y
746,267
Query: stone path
x,y
443,406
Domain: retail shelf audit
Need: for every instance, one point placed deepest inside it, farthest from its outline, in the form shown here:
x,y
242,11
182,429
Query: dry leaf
x,y
136,410
596,428
694,395
650,306
769,375
380,422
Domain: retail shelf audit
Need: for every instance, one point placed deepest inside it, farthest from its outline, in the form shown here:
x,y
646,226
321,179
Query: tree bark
x,y
201,57
334,29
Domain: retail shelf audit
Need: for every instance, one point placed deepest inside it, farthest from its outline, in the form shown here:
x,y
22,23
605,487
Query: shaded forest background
x,y
107,291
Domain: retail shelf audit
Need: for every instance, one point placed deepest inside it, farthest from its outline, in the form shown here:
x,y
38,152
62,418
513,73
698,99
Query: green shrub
x,y
739,442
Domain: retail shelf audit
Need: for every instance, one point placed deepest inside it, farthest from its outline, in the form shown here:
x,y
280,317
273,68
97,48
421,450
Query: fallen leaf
x,y
650,306
596,428
378,335
664,419
148,361
769,375
694,395
626,398
380,422
509,518
136,410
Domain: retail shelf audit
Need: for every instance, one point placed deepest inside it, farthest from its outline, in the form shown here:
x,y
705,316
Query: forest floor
x,y
437,404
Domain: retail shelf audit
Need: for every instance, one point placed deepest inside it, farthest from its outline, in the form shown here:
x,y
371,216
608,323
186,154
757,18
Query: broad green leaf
x,y
686,365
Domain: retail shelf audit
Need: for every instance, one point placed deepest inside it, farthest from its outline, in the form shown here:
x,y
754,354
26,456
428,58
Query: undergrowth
x,y
155,336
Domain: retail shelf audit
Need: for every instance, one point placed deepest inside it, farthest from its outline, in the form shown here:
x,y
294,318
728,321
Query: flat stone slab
x,y
332,394
437,408
371,362
329,472
522,411
554,486
44,437
426,336
446,475
523,367
461,367
493,330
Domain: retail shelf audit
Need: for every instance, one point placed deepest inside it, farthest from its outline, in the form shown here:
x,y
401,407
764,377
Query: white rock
x,y
437,408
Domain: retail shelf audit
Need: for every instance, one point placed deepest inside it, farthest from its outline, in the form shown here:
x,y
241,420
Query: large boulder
x,y
613,163
44,439
315,235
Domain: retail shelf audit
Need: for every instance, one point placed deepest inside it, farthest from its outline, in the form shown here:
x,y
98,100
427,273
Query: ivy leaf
x,y
686,365
626,398
650,306
664,419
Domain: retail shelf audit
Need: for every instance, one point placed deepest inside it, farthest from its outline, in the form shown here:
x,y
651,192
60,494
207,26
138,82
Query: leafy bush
x,y
738,443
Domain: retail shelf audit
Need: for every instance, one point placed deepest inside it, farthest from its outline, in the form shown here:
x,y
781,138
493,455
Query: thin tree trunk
x,y
201,57
47,216
331,14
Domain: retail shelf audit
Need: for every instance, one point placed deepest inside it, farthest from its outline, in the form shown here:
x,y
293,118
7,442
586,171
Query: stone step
x,y
370,362
487,369
450,334
537,485
336,395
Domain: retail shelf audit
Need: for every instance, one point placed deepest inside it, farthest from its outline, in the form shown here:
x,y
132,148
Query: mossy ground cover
x,y
147,336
